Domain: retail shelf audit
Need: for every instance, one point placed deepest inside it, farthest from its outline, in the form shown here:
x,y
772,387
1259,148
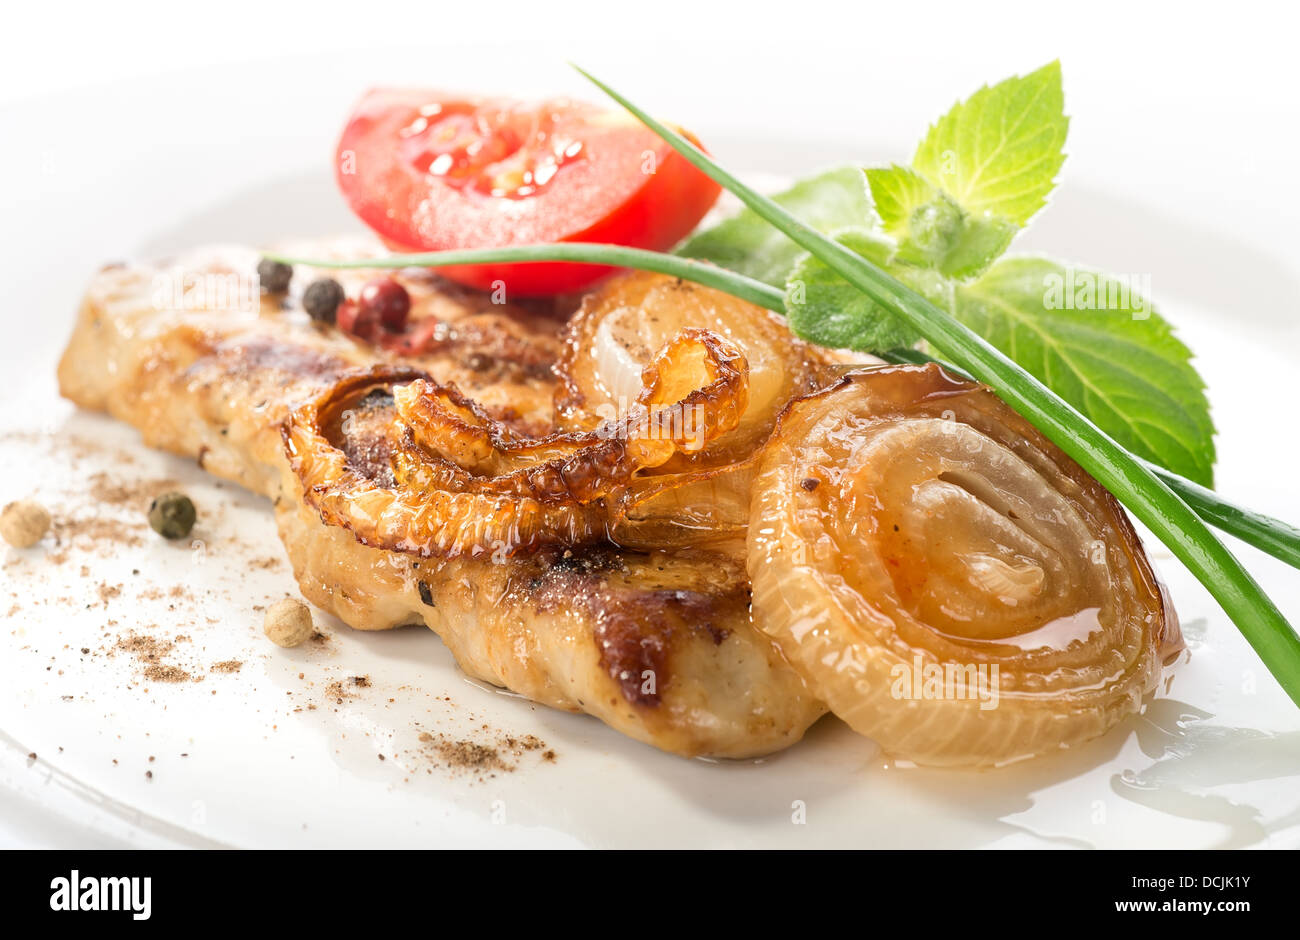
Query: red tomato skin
x,y
611,199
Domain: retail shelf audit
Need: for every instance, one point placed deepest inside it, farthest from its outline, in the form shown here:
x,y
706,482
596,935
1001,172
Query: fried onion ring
x,y
694,390
462,483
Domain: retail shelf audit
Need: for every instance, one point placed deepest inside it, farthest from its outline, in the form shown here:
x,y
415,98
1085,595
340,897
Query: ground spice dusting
x,y
466,755
338,692
113,517
150,651
164,673
108,490
499,755
101,517
105,514
147,649
90,533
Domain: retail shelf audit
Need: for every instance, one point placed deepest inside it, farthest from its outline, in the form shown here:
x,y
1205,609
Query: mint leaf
x,y
824,308
998,152
1100,345
931,229
897,192
747,245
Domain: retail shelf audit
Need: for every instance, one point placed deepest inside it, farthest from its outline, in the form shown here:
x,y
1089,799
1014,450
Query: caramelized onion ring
x,y
465,484
950,583
461,516
695,496
623,322
693,390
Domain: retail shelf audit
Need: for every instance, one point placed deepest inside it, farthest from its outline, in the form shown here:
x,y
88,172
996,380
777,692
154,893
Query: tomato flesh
x,y
429,172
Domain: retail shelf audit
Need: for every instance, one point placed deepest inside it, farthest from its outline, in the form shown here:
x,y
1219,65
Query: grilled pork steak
x,y
658,645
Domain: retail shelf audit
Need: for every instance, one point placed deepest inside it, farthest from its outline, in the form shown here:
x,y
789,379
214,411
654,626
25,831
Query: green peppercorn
x,y
172,515
321,299
274,276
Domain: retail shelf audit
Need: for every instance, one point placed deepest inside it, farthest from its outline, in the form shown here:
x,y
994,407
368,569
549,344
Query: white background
x,y
141,128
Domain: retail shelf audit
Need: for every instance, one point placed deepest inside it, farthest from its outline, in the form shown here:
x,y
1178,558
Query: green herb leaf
x,y
824,308
931,229
1100,345
897,192
998,152
746,244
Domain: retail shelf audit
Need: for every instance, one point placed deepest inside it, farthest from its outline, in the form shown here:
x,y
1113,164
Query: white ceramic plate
x,y
273,755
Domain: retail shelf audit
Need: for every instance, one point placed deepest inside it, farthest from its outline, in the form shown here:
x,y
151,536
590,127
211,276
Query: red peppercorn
x,y
388,300
358,319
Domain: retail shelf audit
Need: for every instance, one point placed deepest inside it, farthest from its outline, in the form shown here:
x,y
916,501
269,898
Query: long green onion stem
x,y
616,256
1146,496
1270,535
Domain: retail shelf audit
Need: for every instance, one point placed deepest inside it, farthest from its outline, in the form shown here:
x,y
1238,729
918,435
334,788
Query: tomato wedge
x,y
429,172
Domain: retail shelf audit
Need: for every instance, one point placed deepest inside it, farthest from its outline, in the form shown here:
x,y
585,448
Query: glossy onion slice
x,y
692,391
950,583
710,505
621,325
454,481
450,515
694,497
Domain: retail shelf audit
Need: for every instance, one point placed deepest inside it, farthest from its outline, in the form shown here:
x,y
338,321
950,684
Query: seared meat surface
x,y
658,645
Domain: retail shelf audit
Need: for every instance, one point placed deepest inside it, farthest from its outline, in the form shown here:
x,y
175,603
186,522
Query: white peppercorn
x,y
23,523
288,623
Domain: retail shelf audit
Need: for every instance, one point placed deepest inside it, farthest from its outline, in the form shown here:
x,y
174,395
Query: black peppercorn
x,y
172,515
274,276
321,299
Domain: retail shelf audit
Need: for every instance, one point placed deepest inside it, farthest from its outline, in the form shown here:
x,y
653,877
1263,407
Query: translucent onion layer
x,y
944,578
699,496
621,325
